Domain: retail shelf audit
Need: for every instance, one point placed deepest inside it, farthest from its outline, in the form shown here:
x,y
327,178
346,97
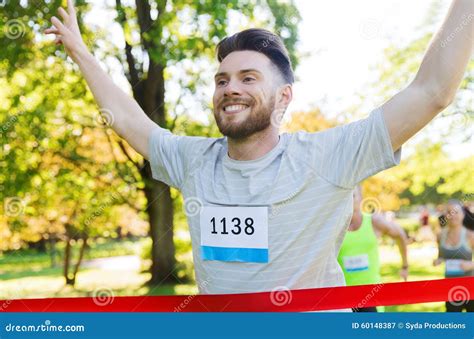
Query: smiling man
x,y
252,91
267,210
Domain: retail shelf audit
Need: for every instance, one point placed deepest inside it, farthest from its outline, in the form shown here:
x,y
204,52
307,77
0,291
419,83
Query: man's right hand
x,y
67,32
119,109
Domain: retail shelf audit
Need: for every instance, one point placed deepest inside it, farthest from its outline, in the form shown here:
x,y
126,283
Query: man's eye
x,y
221,83
247,79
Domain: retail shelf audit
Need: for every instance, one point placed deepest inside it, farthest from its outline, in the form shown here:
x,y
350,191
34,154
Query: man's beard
x,y
258,120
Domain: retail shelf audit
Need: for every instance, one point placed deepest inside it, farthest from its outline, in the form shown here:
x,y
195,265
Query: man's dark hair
x,y
262,41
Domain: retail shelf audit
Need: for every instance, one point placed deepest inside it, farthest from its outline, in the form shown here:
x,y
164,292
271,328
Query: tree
x,y
60,179
429,175
401,64
433,177
309,121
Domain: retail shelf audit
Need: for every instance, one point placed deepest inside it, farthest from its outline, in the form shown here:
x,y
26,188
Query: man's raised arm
x,y
438,78
128,119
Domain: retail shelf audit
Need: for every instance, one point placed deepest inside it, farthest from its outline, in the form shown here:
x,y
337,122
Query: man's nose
x,y
232,88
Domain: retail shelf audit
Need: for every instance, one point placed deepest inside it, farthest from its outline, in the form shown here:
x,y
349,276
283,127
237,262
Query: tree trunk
x,y
71,278
52,250
150,94
149,91
81,255
67,261
160,212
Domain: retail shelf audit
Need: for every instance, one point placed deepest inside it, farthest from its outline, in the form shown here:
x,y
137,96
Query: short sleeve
x,y
171,156
346,155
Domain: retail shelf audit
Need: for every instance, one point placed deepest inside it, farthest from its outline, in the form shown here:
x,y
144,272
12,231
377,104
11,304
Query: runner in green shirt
x,y
359,254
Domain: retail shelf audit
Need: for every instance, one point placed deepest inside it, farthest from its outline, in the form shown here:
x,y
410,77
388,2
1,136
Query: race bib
x,y
453,267
356,263
234,233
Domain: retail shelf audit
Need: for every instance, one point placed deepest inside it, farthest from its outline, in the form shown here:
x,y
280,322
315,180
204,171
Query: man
x,y
359,253
273,208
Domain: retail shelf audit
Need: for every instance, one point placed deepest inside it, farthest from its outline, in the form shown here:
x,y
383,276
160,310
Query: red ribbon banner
x,y
279,300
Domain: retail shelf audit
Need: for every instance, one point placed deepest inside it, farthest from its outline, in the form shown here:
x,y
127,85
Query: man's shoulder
x,y
314,139
202,144
187,144
301,136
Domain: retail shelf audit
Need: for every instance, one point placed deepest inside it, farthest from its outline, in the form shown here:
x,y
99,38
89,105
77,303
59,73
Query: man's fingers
x,y
51,30
58,40
58,24
70,8
63,14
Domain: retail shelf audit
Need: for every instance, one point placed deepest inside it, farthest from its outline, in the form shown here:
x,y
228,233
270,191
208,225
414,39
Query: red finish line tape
x,y
317,299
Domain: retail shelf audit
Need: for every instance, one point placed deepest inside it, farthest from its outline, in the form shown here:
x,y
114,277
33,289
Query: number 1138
x,y
235,226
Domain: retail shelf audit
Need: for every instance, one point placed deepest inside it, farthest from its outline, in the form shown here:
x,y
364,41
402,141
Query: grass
x,y
23,262
421,268
87,282
27,274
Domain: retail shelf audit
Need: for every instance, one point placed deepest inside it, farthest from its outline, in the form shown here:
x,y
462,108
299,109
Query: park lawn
x,y
31,260
28,274
39,281
122,283
420,258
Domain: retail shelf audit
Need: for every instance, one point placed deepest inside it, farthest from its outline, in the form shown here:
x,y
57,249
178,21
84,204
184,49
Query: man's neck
x,y
254,146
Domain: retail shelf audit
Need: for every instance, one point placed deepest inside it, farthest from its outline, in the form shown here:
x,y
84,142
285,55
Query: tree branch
x,y
108,184
132,74
122,147
178,102
144,21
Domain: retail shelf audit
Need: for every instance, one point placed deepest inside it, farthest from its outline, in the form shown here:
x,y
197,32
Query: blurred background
x,y
80,214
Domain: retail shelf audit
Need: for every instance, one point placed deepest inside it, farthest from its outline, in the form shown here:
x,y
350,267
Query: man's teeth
x,y
235,108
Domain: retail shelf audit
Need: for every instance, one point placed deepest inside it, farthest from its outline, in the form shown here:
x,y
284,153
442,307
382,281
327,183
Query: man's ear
x,y
284,95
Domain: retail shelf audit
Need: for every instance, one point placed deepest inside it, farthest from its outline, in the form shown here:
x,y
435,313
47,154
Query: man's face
x,y
244,96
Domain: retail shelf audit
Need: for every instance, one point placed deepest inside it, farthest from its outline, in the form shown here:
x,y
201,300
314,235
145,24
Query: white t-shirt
x,y
306,181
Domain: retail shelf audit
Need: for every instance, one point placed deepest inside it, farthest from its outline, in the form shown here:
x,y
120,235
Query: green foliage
x,y
434,178
56,159
400,67
20,25
430,174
